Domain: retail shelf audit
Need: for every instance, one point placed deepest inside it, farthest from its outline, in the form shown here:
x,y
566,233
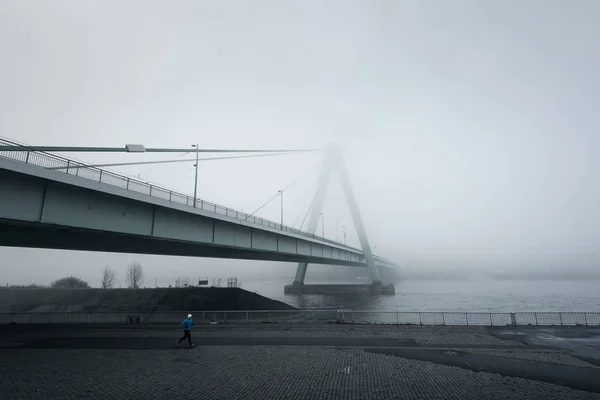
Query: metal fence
x,y
312,316
75,168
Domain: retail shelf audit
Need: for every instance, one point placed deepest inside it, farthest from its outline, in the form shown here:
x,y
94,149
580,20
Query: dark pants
x,y
188,335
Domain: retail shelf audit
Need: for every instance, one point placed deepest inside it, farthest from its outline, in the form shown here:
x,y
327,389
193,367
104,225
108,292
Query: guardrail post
x,y
585,317
443,318
201,204
467,318
536,321
560,318
100,178
420,321
127,186
150,190
491,322
203,317
246,316
397,320
170,194
68,163
27,157
513,319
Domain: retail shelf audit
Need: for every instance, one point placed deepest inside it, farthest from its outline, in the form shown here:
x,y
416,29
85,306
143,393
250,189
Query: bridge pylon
x,y
334,161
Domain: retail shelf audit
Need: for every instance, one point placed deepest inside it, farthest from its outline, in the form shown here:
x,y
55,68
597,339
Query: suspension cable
x,y
125,149
169,161
307,212
314,188
145,171
285,188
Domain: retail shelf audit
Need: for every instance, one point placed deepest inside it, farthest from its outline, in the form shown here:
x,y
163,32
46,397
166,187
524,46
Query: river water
x,y
449,295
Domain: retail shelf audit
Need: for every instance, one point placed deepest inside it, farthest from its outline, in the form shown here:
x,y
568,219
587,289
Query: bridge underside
x,y
38,235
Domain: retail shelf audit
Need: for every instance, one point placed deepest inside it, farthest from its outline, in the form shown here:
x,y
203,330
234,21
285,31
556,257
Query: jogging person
x,y
187,330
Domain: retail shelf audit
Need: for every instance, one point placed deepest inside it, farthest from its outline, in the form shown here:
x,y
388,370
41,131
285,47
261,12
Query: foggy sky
x,y
469,127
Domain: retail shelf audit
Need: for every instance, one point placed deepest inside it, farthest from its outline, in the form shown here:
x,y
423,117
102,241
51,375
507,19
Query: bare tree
x,y
109,276
135,275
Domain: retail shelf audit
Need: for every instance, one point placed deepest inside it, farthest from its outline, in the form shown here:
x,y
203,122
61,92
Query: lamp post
x,y
281,195
322,226
344,234
196,178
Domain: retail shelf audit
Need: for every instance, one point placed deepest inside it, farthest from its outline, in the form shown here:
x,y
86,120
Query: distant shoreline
x,y
501,278
445,276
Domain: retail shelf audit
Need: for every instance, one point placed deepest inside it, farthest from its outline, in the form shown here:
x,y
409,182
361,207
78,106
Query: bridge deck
x,y
75,206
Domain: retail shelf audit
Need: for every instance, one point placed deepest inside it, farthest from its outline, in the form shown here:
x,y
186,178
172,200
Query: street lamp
x,y
344,234
281,194
196,178
322,226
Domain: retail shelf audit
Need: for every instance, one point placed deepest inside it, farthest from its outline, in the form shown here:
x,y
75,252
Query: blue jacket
x,y
187,324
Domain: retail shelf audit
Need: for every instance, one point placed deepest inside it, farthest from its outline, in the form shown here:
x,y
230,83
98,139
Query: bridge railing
x,y
76,168
312,316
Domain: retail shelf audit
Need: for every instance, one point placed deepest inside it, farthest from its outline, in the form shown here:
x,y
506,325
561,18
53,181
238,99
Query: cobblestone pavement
x,y
318,362
551,356
426,335
258,372
420,334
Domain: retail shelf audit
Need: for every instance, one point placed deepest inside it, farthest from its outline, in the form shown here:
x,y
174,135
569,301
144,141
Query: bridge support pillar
x,y
333,159
356,217
361,289
295,288
315,213
300,274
